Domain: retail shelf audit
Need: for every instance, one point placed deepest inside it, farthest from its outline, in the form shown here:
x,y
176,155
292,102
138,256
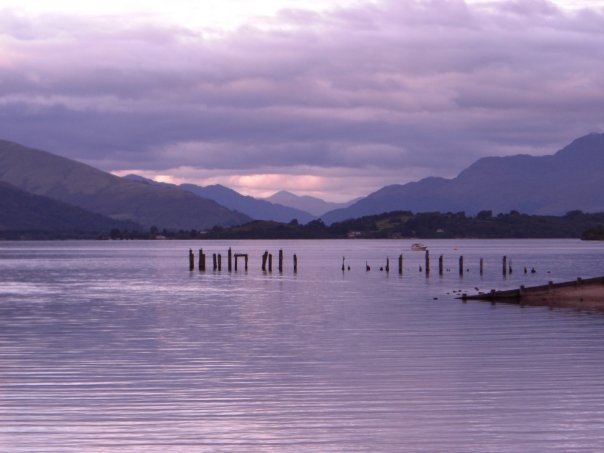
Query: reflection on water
x,y
116,346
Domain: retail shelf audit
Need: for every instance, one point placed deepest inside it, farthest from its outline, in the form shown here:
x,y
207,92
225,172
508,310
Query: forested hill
x,y
404,224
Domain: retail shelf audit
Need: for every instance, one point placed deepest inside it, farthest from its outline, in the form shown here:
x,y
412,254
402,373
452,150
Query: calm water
x,y
116,346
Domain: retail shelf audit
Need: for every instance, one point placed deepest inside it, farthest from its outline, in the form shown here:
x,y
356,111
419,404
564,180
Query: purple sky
x,y
333,102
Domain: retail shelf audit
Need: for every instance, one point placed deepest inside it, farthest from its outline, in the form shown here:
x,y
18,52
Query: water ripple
x,y
118,347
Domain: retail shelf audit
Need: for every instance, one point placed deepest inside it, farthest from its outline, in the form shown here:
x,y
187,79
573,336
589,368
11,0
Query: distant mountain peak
x,y
283,193
133,177
314,205
255,208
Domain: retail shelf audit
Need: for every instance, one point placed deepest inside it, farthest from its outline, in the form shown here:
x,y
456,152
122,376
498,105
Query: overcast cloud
x,y
334,103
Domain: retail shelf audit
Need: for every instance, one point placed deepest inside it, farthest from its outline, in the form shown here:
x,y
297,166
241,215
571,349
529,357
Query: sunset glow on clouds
x,y
336,99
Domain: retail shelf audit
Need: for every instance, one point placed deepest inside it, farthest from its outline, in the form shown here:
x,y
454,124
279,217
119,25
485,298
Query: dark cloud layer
x,y
392,91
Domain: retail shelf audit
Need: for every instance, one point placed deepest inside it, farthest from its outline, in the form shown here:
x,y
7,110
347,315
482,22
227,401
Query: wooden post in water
x,y
280,260
461,265
270,262
245,262
264,258
427,262
214,262
191,260
440,264
481,266
295,263
219,257
505,266
400,264
230,260
387,264
202,261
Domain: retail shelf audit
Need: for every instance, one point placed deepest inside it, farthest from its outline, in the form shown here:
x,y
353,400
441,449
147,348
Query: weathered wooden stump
x,y
191,260
400,264
461,265
295,263
427,262
202,261
264,259
440,264
280,260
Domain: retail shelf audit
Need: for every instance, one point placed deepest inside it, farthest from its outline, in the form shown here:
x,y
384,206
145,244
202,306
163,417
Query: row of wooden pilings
x,y
267,263
233,258
507,267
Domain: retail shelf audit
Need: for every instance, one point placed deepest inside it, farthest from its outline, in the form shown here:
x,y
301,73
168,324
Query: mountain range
x,y
254,208
572,178
312,205
43,190
77,184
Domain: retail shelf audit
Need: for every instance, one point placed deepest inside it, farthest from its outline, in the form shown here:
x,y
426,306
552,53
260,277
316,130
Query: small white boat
x,y
417,247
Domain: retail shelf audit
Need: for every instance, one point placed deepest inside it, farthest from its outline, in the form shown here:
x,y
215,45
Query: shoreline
x,y
582,294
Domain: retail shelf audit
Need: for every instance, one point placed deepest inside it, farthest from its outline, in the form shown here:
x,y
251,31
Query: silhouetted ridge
x,y
570,179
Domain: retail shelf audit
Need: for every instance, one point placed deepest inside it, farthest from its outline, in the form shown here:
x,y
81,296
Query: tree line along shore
x,y
390,225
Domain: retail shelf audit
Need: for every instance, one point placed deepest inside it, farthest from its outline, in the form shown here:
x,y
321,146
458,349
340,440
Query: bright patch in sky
x,y
221,14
